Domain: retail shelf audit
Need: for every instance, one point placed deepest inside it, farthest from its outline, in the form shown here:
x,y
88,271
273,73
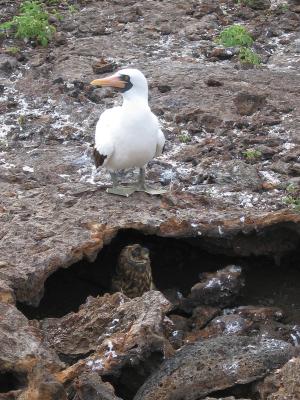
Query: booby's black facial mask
x,y
128,85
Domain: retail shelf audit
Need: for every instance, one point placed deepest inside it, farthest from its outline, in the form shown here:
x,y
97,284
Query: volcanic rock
x,y
121,333
20,345
7,63
89,386
248,103
218,289
215,364
282,384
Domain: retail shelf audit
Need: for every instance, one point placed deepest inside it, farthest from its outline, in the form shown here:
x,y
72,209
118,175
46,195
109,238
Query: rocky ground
x,y
231,167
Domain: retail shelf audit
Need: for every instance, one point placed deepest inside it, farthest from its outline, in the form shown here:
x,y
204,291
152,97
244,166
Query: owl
x,y
133,275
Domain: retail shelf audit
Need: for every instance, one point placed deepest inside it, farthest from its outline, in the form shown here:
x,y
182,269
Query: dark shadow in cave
x,y
176,263
246,390
11,380
133,376
273,285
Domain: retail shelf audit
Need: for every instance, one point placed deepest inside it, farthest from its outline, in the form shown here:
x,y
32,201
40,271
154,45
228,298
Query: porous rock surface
x,y
216,364
282,384
218,289
54,210
20,345
128,329
90,386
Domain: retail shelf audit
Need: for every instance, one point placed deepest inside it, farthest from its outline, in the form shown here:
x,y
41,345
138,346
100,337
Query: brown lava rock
x,y
215,364
20,345
43,386
283,384
257,314
122,333
89,386
224,398
248,103
102,66
107,317
223,325
219,288
236,172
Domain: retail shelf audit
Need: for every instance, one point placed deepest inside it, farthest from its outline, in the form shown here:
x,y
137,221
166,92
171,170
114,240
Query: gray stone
x,y
248,103
282,384
235,172
215,364
7,63
219,288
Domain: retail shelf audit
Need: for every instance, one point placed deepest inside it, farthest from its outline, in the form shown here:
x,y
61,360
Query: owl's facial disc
x,y
140,254
136,252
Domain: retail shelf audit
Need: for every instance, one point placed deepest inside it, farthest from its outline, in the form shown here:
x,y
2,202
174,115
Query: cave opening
x,y
177,264
133,376
10,380
247,390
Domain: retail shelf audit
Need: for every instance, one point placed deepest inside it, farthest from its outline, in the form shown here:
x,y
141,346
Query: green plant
x,y
21,120
244,2
185,138
3,144
235,35
249,3
282,8
252,154
293,196
57,14
291,188
31,23
55,2
238,36
293,201
248,56
12,50
72,9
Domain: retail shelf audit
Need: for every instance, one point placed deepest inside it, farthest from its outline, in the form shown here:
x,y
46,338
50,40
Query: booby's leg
x,y
141,181
119,190
114,179
143,187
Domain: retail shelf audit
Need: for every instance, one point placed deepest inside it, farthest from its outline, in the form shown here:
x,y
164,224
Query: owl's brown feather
x,y
133,273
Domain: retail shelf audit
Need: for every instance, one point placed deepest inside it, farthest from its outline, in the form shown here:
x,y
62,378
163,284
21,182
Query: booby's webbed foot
x,y
140,186
150,190
121,190
127,191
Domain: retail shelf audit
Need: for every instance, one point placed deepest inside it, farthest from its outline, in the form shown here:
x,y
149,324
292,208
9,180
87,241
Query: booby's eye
x,y
128,84
125,78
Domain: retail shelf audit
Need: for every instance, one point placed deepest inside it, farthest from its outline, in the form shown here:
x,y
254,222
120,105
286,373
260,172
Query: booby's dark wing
x,y
98,158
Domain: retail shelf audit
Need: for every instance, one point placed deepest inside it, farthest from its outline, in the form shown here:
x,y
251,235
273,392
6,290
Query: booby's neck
x,y
135,97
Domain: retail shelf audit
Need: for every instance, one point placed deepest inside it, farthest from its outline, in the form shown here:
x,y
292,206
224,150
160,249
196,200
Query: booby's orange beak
x,y
113,81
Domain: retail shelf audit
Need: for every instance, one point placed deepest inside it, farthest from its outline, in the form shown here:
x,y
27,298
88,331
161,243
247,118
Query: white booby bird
x,y
128,136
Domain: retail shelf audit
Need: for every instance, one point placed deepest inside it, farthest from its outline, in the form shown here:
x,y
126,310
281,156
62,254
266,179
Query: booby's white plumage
x,y
129,135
